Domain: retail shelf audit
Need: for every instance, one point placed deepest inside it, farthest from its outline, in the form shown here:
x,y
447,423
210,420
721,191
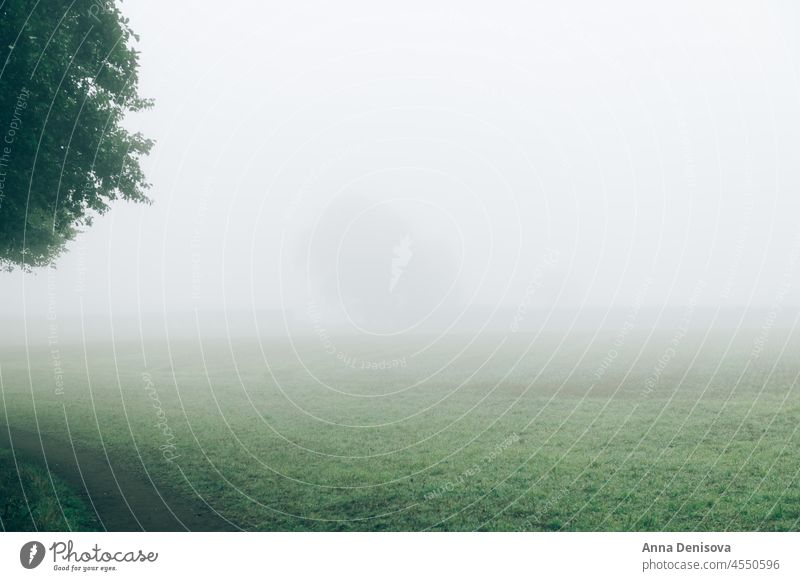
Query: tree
x,y
68,76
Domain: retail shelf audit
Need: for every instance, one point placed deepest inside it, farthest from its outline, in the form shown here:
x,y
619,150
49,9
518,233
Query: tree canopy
x,y
68,76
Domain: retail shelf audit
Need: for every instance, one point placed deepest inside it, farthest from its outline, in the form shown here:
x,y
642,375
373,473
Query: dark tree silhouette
x,y
68,76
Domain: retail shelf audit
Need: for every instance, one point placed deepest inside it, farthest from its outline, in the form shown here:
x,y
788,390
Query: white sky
x,y
299,143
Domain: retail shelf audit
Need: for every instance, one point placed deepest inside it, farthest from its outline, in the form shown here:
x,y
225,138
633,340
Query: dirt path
x,y
140,505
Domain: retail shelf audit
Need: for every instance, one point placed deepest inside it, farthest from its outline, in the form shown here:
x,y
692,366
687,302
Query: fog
x,y
385,170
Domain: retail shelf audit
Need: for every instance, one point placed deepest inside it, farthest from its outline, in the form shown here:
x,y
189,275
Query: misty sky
x,y
380,165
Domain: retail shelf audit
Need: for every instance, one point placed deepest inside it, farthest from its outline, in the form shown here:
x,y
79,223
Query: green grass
x,y
33,500
525,439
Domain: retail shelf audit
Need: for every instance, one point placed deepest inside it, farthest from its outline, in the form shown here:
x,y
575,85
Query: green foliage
x,y
68,76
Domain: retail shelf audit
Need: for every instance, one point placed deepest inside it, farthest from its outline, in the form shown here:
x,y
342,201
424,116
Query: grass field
x,y
641,432
28,501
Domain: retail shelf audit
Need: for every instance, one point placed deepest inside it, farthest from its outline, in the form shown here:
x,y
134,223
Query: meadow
x,y
33,499
647,431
